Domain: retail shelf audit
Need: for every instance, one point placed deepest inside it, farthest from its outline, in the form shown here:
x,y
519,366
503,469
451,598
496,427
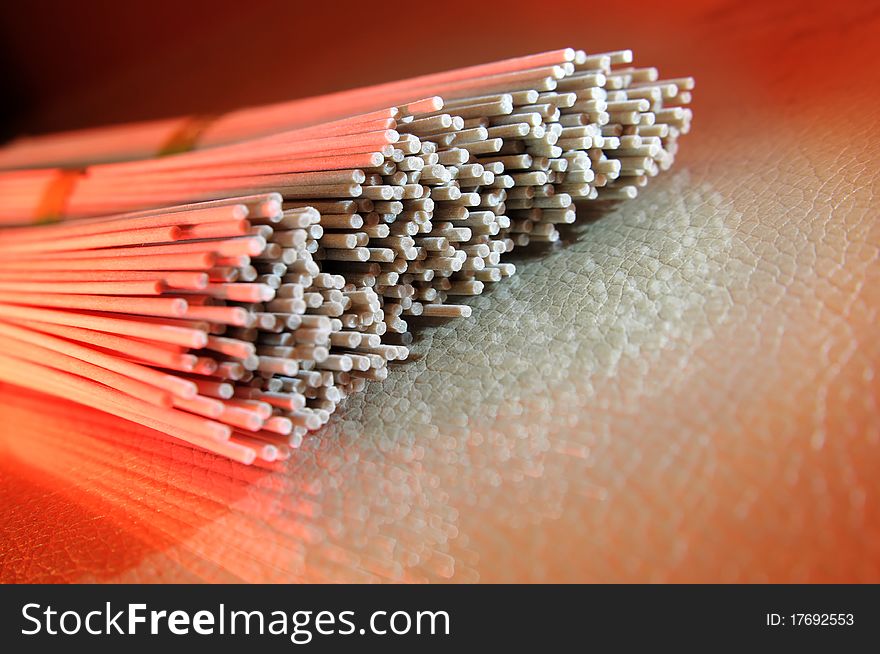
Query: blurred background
x,y
81,64
696,402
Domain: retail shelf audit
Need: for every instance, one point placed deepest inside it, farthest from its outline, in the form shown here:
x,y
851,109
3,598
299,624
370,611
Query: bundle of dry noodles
x,y
229,280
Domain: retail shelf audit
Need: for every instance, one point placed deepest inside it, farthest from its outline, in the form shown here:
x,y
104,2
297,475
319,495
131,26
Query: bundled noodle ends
x,y
229,281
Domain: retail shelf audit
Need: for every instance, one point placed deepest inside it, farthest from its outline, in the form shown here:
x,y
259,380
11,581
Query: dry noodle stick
x,y
155,354
171,383
137,328
107,398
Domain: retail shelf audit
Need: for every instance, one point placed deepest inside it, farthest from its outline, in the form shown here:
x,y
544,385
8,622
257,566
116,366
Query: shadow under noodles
x,y
422,477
